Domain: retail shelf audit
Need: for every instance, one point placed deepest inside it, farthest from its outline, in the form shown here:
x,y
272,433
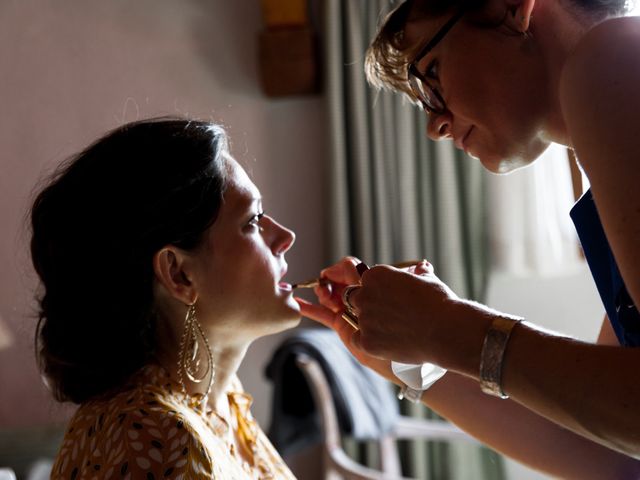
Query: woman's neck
x,y
226,361
558,30
226,351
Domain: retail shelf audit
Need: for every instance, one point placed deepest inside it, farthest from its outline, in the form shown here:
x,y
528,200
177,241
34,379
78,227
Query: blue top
x,y
623,315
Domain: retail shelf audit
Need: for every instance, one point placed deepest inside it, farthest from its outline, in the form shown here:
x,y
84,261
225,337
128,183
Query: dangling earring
x,y
188,361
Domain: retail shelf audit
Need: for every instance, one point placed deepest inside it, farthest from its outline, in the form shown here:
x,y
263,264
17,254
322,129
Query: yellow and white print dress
x,y
150,430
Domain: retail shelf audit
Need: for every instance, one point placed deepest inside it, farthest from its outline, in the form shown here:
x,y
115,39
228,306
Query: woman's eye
x,y
255,220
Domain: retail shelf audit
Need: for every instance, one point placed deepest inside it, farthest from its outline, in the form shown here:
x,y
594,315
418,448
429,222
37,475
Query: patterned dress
x,y
150,430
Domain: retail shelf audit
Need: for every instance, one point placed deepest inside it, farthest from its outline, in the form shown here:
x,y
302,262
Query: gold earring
x,y
188,361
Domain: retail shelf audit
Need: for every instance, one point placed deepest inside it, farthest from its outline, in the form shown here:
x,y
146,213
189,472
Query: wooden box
x,y
289,63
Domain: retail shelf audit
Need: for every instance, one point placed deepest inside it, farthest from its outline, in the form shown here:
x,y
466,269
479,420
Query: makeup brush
x,y
314,282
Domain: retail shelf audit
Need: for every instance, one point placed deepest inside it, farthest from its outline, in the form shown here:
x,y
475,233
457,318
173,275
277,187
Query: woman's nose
x,y
439,125
283,238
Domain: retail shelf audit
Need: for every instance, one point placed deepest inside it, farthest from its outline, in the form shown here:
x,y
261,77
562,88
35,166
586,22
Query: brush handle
x,y
314,282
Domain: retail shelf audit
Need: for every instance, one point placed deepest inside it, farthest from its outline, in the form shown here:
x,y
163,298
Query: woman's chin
x,y
288,319
293,323
293,308
290,310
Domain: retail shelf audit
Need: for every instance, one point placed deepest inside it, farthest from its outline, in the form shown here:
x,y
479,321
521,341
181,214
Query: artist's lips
x,y
464,140
460,142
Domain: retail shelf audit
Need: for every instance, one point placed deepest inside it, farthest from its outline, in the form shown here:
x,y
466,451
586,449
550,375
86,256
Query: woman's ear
x,y
519,14
169,266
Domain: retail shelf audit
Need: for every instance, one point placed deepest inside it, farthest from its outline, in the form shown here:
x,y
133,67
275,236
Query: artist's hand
x,y
327,317
330,309
329,312
407,315
401,314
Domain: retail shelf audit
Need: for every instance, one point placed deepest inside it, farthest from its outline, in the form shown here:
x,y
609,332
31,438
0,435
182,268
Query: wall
x,y
70,70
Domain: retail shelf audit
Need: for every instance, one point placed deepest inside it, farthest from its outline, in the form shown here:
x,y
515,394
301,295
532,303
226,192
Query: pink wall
x,y
71,70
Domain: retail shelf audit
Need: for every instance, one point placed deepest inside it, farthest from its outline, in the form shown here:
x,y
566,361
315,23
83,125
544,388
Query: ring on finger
x,y
346,293
351,319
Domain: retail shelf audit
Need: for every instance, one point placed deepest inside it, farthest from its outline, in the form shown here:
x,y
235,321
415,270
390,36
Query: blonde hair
x,y
388,57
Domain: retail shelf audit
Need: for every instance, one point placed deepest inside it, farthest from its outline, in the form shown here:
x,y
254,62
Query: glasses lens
x,y
425,94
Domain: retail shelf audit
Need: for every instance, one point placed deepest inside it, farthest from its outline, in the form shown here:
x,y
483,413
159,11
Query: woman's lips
x,y
282,285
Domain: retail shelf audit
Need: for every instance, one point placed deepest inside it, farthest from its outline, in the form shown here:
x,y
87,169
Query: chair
x,y
7,474
337,464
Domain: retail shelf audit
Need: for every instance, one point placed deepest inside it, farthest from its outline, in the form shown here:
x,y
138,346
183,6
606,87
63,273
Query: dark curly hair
x,y
95,228
387,58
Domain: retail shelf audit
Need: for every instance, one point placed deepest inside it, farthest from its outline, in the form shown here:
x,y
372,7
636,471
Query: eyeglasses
x,y
431,100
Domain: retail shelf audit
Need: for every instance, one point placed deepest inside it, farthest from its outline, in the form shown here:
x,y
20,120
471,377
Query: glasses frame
x,y
429,97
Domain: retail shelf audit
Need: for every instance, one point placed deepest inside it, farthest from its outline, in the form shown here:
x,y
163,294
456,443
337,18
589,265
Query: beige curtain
x,y
395,196
531,233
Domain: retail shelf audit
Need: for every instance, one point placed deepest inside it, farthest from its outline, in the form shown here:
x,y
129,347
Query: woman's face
x,y
495,88
240,266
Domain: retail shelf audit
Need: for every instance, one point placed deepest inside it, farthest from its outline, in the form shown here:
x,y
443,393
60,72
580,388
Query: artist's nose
x,y
439,125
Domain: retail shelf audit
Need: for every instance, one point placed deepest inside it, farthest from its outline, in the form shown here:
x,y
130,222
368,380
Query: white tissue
x,y
418,377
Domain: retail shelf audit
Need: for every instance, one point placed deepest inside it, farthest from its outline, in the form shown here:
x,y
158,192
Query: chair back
x,y
336,462
7,474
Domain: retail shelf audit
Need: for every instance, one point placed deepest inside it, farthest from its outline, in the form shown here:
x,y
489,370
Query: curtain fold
x,y
394,195
531,233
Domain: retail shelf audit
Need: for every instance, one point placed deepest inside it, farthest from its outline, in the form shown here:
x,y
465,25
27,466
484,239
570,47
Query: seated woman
x,y
158,268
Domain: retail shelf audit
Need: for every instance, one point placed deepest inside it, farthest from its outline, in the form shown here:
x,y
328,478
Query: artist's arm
x,y
587,388
517,432
503,425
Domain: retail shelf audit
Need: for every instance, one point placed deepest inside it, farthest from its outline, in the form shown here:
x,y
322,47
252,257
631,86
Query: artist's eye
x,y
432,70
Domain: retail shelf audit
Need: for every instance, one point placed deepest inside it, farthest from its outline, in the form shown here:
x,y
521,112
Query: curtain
x,y
531,232
394,195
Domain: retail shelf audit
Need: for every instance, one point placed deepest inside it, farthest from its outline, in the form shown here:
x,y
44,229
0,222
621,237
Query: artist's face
x,y
493,83
240,266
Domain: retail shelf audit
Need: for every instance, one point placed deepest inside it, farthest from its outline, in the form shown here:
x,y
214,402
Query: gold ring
x,y
346,293
351,319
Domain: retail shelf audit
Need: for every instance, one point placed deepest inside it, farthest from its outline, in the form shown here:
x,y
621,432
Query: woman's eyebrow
x,y
247,203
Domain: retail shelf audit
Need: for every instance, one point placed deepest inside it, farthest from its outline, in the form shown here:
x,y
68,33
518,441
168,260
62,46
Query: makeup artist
x,y
503,79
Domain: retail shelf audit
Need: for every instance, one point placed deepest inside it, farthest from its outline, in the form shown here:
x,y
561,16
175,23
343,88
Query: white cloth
x,y
418,377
